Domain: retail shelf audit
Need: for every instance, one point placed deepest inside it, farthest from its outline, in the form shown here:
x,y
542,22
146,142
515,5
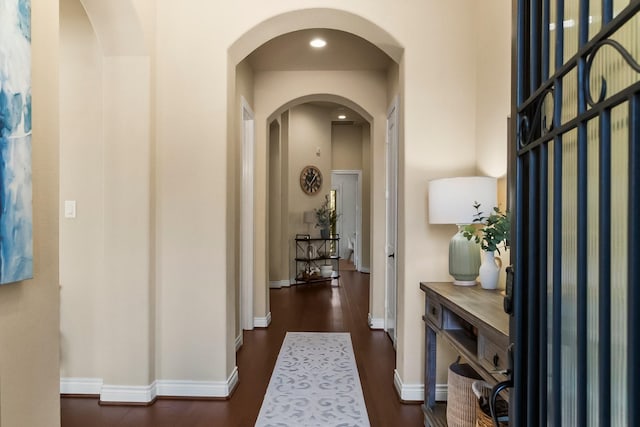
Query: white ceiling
x,y
337,109
344,51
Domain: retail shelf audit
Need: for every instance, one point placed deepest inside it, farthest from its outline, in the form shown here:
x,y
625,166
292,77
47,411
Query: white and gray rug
x,y
315,383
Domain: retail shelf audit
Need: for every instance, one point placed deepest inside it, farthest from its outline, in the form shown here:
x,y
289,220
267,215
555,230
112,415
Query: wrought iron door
x,y
575,172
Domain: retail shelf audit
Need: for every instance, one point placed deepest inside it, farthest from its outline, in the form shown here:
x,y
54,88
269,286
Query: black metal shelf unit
x,y
317,259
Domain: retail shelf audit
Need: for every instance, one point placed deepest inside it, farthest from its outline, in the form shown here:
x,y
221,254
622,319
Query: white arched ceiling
x,y
321,97
314,18
362,91
117,27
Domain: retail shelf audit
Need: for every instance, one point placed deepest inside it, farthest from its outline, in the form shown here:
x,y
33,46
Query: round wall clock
x,y
310,179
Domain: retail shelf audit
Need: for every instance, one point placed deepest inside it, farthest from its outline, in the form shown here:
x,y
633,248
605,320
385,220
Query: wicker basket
x,y
461,401
482,391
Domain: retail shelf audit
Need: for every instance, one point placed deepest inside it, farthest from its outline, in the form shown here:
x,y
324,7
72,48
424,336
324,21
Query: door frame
x,y
247,216
391,248
357,251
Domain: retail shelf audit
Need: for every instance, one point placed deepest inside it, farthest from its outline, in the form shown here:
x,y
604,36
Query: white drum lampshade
x,y
451,201
309,217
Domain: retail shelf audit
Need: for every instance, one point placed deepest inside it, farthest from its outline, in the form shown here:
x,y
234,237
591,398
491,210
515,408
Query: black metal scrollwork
x,y
530,129
523,131
603,90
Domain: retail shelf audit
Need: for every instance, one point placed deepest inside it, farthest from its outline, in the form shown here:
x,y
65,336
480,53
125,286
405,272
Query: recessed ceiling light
x,y
318,43
342,117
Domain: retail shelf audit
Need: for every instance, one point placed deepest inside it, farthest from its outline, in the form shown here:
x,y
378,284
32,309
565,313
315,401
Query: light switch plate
x,y
69,208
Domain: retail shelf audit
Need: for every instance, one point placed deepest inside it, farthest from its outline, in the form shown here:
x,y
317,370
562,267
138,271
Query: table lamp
x,y
451,201
309,217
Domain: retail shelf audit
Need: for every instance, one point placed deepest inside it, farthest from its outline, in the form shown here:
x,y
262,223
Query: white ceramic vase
x,y
490,270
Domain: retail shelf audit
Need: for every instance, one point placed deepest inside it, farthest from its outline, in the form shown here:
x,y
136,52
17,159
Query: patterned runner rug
x,y
315,383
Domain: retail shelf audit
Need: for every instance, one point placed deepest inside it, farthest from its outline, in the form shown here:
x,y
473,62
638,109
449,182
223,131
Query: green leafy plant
x,y
325,215
495,229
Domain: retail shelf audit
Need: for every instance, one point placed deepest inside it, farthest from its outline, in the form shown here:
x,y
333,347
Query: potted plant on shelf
x,y
494,231
325,217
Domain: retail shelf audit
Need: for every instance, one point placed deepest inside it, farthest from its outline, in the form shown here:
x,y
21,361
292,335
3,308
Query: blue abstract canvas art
x,y
16,225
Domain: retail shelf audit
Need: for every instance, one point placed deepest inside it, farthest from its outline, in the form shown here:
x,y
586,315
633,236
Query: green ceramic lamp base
x,y
464,259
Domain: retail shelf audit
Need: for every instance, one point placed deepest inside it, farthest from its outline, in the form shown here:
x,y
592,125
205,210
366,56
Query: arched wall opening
x,y
322,97
367,91
304,132
315,18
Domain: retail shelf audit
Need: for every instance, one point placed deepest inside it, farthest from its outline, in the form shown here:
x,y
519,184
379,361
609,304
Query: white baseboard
x,y
232,381
198,388
365,270
408,392
128,393
80,385
262,322
146,394
375,323
415,392
239,341
279,284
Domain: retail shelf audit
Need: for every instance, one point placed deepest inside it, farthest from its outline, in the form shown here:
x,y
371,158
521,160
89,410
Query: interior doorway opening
x,y
391,235
362,82
340,151
347,185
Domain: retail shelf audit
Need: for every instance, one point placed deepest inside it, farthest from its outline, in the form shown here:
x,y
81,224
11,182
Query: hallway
x,y
312,308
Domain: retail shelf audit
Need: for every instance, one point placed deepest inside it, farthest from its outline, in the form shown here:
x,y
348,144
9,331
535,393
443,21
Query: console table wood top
x,y
486,306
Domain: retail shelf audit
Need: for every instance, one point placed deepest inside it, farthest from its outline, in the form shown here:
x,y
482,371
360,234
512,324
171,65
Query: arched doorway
x,y
274,89
308,131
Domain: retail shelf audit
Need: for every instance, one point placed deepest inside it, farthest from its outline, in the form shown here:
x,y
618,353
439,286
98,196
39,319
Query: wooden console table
x,y
473,321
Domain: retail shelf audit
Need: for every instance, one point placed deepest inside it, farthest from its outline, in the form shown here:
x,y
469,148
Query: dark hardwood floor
x,y
311,308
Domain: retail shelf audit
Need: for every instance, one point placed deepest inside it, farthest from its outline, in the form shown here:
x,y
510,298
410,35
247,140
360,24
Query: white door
x,y
392,222
347,186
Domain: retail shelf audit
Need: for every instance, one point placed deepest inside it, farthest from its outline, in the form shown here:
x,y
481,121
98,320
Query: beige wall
x,y
125,298
105,251
493,101
346,144
82,240
108,295
192,192
118,26
29,310
493,59
195,128
309,129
